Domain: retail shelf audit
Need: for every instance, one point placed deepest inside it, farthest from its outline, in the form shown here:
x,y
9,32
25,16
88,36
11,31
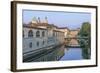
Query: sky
x,y
72,20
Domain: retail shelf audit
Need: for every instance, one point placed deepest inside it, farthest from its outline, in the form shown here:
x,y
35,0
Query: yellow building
x,y
74,33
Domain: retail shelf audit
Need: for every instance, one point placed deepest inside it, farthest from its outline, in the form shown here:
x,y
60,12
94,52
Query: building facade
x,y
40,35
74,33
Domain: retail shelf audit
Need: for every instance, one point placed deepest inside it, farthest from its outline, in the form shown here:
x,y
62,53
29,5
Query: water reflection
x,y
77,49
65,53
72,54
50,55
86,49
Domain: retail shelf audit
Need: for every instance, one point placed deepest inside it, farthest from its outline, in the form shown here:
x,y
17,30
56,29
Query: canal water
x,y
72,54
62,53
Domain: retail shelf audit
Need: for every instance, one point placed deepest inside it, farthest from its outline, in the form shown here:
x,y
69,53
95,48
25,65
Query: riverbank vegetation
x,y
85,43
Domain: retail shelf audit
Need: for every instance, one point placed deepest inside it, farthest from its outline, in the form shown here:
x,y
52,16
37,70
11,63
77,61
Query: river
x,y
63,53
72,54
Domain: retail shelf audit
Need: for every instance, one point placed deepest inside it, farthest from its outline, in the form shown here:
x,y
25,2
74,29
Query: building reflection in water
x,y
62,53
54,54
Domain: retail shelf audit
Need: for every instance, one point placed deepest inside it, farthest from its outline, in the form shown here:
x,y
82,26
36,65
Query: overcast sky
x,y
72,20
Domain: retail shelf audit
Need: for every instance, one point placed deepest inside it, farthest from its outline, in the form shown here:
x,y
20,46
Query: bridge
x,y
76,37
73,46
73,41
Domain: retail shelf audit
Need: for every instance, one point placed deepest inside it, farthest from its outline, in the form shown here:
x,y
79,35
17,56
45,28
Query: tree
x,y
85,29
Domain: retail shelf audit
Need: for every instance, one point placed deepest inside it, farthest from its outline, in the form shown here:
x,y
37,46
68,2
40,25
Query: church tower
x,y
34,20
39,21
46,20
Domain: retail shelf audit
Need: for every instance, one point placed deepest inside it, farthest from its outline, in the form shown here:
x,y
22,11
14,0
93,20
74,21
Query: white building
x,y
39,35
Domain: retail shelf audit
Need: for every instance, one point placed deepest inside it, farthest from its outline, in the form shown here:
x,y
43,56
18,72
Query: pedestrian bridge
x,y
73,41
73,46
76,38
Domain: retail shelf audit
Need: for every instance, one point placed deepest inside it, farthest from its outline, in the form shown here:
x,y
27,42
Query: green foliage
x,y
85,29
85,53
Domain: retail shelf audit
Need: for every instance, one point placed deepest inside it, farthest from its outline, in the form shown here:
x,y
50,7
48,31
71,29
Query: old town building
x,y
39,35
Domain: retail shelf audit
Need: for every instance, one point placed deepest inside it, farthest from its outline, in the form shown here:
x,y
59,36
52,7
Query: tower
x,y
39,21
46,20
34,20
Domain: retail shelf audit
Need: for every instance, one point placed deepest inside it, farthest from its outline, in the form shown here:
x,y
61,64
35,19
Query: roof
x,y
35,27
63,28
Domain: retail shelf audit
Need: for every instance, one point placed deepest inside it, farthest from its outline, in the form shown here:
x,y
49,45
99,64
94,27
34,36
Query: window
x,y
30,33
30,45
38,34
43,34
43,42
37,43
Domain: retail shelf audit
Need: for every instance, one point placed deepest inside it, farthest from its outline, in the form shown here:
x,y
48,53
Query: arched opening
x,y
30,33
30,45
38,34
43,34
